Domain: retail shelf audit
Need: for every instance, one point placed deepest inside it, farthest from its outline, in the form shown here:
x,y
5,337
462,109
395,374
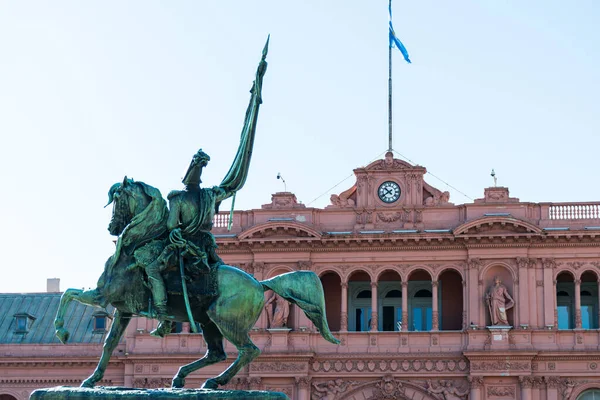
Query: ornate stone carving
x,y
303,381
522,262
374,321
304,265
330,389
501,391
576,264
552,381
344,321
568,385
538,382
500,365
254,382
388,388
476,382
151,383
539,283
498,301
526,381
549,262
389,217
551,366
277,367
435,320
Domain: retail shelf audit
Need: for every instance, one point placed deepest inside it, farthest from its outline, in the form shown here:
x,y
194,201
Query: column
x,y
552,384
526,383
404,306
434,306
465,321
303,383
374,317
578,304
523,303
549,292
599,301
532,299
476,384
344,316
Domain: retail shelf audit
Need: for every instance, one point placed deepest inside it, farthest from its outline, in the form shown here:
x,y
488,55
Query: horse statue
x,y
143,277
139,209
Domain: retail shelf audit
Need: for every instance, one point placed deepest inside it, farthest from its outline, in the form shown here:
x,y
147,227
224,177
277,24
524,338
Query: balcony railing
x,y
574,211
221,220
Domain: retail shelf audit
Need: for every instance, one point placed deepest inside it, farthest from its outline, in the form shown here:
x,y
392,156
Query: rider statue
x,y
191,212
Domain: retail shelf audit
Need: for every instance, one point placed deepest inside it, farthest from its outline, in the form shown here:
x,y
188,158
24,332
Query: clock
x,y
389,192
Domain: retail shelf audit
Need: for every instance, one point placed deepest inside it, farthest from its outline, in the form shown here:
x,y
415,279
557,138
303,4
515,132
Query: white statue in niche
x,y
499,302
278,310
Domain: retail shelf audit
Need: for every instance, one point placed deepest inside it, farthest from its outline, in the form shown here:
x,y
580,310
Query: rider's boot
x,y
164,326
159,294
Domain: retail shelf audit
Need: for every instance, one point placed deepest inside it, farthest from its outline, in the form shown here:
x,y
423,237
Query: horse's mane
x,y
147,225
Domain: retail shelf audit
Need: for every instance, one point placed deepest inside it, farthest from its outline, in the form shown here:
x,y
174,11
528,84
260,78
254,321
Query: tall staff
x,y
394,41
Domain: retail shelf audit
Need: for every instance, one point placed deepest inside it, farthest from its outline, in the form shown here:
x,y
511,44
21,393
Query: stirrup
x,y
164,327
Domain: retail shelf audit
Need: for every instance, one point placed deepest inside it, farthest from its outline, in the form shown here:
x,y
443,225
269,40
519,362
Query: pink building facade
x,y
406,276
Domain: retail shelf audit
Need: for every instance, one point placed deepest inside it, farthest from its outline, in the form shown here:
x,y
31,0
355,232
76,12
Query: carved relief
x,y
151,383
447,389
330,389
500,365
344,199
389,217
501,391
388,388
277,367
552,381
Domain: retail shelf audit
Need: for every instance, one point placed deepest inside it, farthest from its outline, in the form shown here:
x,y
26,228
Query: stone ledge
x,y
123,393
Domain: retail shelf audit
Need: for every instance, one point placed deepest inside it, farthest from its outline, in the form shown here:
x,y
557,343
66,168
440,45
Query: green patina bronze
x,y
165,266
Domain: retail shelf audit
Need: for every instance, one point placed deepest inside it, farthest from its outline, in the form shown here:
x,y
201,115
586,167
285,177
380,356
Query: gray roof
x,y
79,319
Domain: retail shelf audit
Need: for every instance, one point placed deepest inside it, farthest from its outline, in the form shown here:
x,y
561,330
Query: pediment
x,y
493,226
388,163
280,230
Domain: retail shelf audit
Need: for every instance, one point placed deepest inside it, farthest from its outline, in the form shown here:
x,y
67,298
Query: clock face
x,y
389,192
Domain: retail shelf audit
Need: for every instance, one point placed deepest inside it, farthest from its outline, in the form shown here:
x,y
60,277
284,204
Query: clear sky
x,y
93,91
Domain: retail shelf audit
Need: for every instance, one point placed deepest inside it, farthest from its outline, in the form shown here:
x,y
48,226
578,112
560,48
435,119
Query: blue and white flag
x,y
394,41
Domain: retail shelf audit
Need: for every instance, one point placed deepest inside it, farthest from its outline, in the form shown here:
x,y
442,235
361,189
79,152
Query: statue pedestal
x,y
122,393
279,339
499,337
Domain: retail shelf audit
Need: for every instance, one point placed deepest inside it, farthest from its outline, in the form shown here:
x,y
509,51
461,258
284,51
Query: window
x,y
360,307
23,322
564,310
100,322
391,311
593,394
421,311
589,307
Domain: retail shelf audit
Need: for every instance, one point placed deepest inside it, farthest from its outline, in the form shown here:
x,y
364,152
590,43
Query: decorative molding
x,y
277,367
303,381
377,365
500,365
474,263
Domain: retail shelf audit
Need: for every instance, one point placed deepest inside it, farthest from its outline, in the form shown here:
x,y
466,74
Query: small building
x,y
496,299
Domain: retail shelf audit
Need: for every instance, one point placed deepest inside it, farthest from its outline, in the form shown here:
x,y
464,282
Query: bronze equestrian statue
x,y
166,267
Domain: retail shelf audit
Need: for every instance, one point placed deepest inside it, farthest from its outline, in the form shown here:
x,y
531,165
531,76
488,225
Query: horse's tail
x,y
304,289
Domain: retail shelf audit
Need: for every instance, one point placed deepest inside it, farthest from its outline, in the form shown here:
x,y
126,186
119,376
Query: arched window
x,y
7,397
564,306
361,315
421,311
391,311
593,394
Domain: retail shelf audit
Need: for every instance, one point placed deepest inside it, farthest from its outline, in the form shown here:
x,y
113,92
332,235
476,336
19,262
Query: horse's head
x,y
128,199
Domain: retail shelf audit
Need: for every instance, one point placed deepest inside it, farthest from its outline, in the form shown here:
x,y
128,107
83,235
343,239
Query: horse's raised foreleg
x,y
214,354
89,297
112,340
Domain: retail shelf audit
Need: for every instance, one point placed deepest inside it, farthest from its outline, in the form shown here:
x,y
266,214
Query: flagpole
x,y
390,90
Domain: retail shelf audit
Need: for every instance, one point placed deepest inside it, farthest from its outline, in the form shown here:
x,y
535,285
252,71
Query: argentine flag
x,y
394,41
